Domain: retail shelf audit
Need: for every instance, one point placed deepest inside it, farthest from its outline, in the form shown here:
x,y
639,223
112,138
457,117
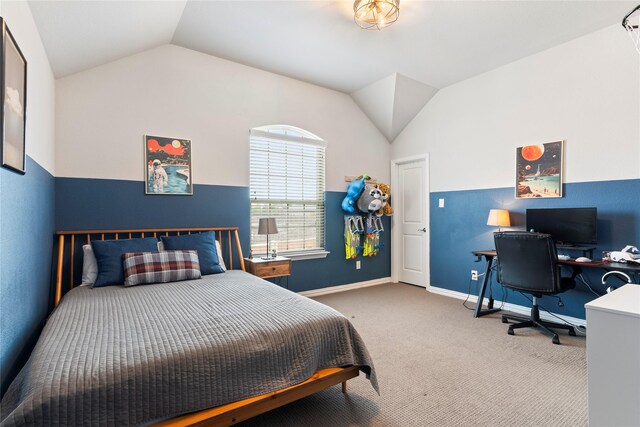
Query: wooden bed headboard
x,y
69,259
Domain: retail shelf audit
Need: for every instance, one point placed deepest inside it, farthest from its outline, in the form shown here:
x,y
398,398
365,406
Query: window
x,y
287,182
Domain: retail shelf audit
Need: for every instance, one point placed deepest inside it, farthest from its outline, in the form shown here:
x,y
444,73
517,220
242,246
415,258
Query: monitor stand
x,y
587,251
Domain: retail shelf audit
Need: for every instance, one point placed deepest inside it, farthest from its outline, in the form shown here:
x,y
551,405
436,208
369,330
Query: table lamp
x,y
267,226
499,218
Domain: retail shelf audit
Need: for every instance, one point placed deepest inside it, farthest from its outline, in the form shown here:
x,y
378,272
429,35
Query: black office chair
x,y
528,262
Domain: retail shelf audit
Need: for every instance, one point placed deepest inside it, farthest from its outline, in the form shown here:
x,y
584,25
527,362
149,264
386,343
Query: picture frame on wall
x,y
167,165
13,90
539,170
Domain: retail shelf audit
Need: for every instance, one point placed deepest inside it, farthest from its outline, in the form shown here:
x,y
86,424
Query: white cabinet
x,y
613,358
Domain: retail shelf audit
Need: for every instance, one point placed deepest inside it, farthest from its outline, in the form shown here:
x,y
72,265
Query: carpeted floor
x,y
438,366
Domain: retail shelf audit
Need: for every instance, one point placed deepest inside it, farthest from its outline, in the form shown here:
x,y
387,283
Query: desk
x,y
490,254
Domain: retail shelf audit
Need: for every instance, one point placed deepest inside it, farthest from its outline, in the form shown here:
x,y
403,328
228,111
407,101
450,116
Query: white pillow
x,y
89,266
218,251
220,259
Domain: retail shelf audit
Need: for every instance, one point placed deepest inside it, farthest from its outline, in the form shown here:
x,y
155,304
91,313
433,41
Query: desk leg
x,y
478,312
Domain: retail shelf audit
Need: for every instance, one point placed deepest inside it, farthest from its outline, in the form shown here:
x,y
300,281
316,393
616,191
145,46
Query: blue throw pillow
x,y
204,243
109,257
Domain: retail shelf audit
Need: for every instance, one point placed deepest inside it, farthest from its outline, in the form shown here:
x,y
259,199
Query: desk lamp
x,y
499,218
267,226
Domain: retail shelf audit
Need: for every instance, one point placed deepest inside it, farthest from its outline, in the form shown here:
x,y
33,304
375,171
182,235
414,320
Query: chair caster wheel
x,y
556,340
510,332
572,332
505,320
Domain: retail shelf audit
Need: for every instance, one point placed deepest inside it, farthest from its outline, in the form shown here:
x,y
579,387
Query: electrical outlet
x,y
358,265
474,274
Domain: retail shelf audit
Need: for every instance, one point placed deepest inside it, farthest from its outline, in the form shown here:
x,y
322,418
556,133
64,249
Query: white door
x,y
412,222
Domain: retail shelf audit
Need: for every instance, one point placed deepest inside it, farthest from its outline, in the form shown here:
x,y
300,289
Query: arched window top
x,y
287,133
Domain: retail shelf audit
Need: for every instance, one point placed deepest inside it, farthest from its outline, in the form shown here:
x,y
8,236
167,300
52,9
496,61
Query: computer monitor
x,y
568,226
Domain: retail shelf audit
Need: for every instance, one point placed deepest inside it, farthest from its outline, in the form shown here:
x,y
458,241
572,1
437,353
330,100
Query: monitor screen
x,y
566,225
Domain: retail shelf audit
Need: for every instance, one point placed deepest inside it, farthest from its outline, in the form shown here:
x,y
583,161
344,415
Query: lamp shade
x,y
267,226
499,218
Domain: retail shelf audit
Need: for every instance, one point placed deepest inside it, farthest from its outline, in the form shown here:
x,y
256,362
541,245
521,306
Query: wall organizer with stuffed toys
x,y
365,203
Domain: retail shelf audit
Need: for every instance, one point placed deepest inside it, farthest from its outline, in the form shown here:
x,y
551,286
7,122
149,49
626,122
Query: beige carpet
x,y
438,366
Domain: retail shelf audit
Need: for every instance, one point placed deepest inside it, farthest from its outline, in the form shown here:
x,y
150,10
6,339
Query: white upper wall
x,y
40,142
586,91
79,35
103,113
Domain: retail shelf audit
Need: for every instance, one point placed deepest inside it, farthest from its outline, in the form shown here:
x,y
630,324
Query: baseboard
x,y
347,287
513,308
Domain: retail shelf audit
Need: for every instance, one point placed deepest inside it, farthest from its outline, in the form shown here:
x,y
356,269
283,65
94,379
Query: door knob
x,y
424,229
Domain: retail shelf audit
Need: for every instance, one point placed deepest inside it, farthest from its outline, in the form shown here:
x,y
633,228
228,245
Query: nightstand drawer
x,y
266,269
276,268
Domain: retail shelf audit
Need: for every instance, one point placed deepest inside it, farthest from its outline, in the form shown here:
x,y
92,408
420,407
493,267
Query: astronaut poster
x,y
167,165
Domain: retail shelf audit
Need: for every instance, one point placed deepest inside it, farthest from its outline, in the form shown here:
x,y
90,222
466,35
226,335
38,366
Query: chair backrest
x,y
528,262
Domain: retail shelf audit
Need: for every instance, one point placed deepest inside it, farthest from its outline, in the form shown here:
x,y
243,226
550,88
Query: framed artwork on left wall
x,y
167,165
13,91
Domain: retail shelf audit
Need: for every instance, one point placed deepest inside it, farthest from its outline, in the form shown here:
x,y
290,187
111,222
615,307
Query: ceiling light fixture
x,y
376,14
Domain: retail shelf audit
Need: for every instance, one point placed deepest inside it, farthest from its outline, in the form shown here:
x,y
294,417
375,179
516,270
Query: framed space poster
x,y
13,92
539,170
167,165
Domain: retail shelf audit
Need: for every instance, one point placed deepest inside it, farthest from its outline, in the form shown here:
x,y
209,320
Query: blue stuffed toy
x,y
354,190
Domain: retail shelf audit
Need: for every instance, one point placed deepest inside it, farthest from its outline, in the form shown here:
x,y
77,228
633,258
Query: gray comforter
x,y
116,356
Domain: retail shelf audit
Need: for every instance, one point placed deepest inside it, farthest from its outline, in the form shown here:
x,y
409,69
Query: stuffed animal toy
x,y
370,200
386,193
354,190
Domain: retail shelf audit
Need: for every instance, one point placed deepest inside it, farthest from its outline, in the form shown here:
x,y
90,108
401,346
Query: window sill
x,y
301,256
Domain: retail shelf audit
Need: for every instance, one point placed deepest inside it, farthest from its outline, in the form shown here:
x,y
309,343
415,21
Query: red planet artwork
x,y
167,165
539,170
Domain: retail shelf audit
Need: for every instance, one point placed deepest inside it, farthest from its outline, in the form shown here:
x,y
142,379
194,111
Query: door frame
x,y
395,235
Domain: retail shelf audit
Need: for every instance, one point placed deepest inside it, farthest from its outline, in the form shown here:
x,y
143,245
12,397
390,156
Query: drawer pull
x,y
273,268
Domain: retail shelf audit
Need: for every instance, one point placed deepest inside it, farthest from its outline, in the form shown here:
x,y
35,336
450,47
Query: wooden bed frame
x,y
69,260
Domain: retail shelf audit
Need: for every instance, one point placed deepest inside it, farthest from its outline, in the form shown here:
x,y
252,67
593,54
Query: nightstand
x,y
267,268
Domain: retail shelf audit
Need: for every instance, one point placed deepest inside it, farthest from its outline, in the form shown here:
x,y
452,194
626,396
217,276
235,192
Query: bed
x,y
210,351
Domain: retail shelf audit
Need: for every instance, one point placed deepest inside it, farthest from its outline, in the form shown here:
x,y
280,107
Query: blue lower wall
x,y
335,269
460,227
110,204
88,204
27,227
31,205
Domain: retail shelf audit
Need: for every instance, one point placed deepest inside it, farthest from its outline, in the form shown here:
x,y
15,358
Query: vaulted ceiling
x,y
434,43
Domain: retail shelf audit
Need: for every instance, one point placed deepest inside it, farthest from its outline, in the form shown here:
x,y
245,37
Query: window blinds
x,y
287,182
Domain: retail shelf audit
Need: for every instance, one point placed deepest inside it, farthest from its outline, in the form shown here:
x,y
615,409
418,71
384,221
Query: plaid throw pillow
x,y
160,267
